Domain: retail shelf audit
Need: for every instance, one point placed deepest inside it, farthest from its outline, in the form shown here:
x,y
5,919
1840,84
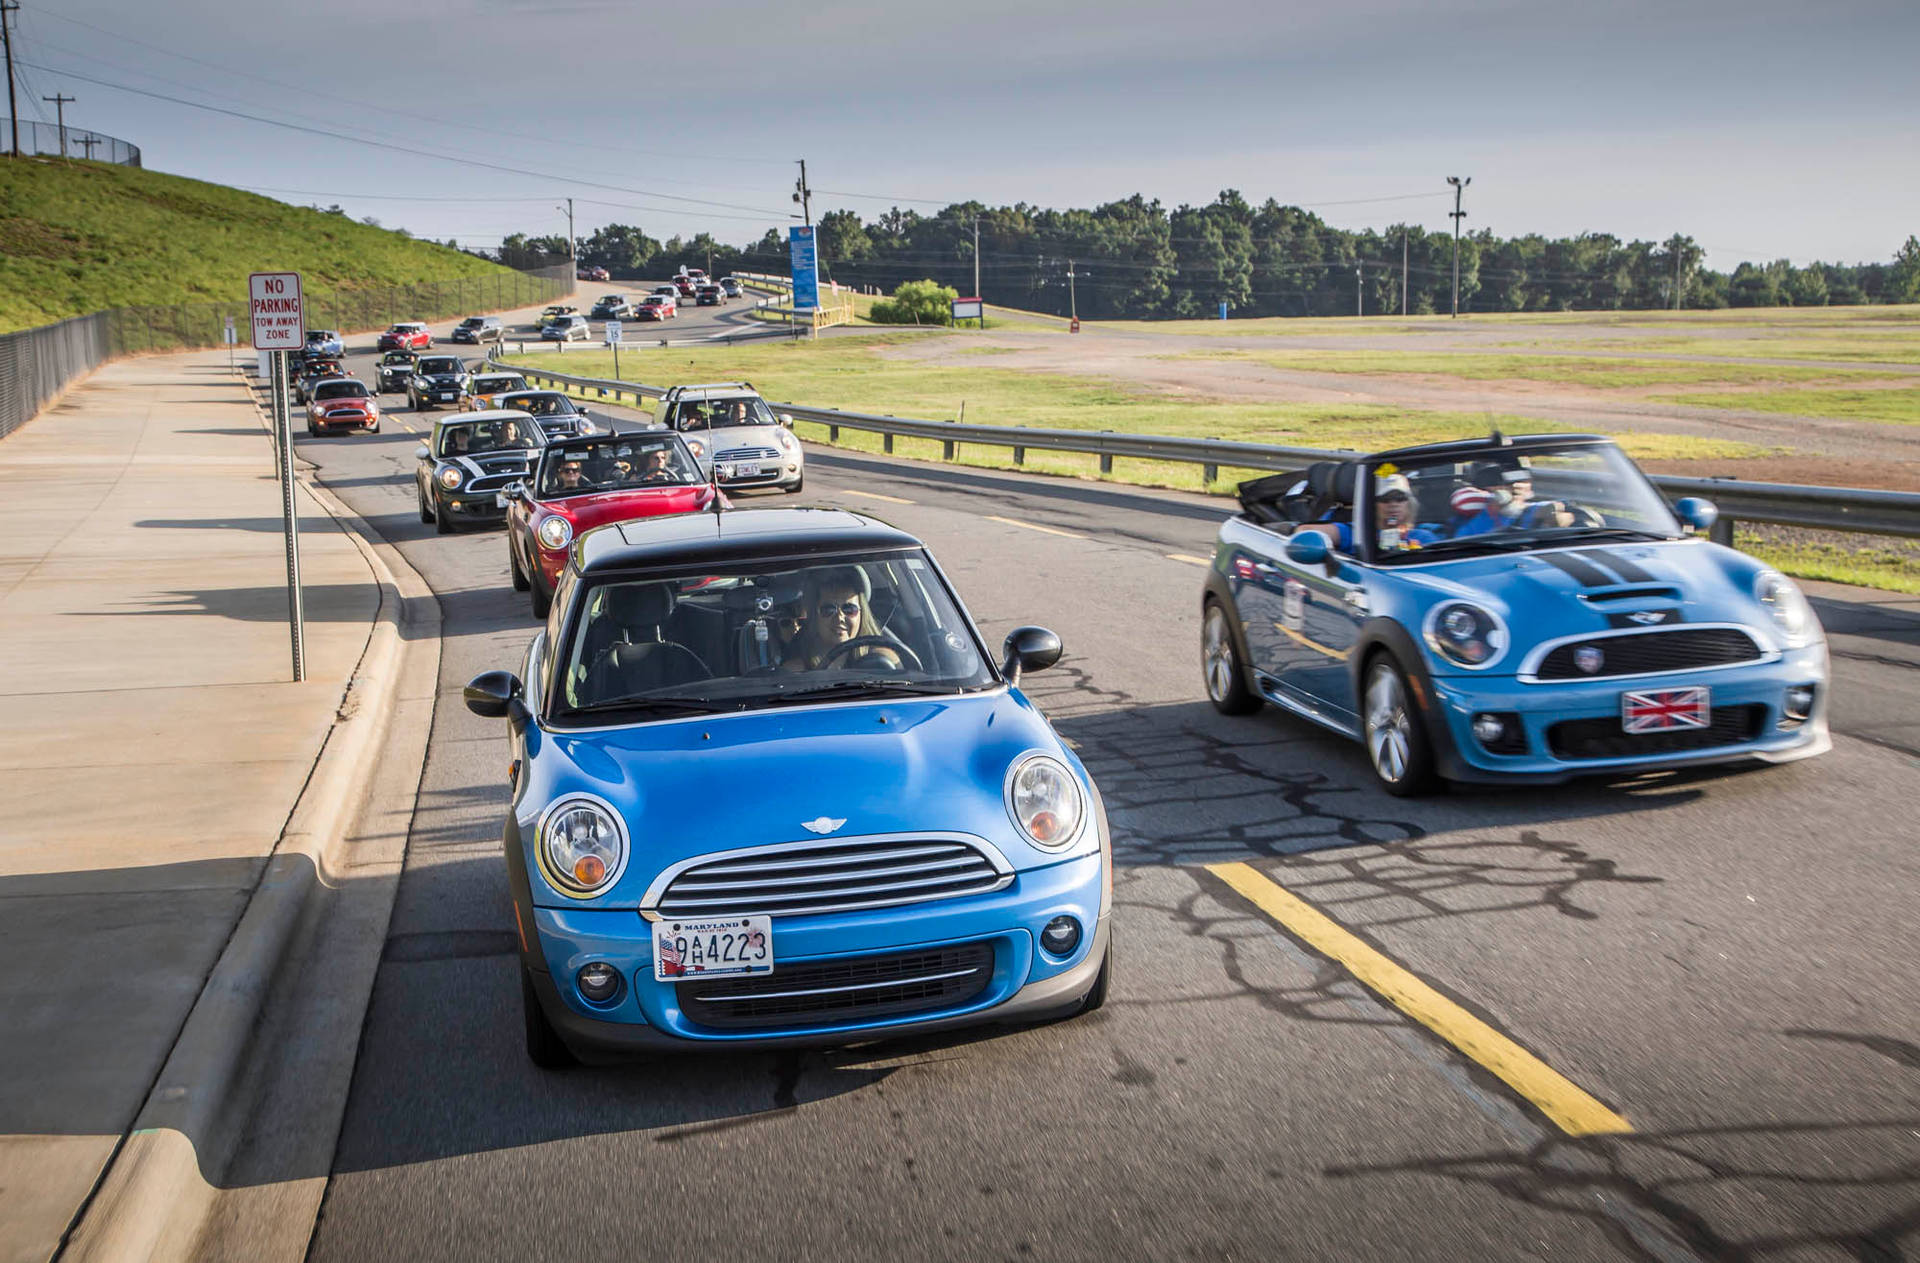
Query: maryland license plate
x,y
717,947
1665,710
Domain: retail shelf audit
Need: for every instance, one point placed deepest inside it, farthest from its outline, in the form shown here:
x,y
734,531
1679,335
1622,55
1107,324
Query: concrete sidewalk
x,y
155,746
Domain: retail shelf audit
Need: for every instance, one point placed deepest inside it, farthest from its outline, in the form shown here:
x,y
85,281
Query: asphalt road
x,y
1725,958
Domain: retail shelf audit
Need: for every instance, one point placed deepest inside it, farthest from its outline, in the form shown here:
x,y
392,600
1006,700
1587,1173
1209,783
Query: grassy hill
x,y
84,236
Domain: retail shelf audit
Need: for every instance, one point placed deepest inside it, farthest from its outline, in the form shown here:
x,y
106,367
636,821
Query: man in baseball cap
x,y
1392,517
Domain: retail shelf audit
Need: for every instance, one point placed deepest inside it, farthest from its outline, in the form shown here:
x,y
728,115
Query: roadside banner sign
x,y
279,316
969,309
806,269
613,331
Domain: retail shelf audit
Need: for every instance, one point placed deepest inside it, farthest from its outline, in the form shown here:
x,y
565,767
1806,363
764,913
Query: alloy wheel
x,y
1389,724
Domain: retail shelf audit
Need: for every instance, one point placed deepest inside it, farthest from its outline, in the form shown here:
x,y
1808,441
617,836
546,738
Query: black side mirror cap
x,y
1029,649
493,694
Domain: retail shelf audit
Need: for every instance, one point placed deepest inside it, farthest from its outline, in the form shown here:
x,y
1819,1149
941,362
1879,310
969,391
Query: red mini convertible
x,y
582,483
407,335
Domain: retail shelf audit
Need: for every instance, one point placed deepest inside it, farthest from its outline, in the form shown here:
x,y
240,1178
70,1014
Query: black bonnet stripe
x,y
1627,569
1583,571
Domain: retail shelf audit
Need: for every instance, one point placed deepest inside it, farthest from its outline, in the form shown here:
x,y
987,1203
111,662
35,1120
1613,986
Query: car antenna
x,y
713,473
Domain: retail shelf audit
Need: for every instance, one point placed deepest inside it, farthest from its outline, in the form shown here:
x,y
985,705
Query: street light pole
x,y
1459,187
573,253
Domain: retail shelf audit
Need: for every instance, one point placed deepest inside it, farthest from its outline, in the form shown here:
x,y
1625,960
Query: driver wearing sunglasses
x,y
835,607
1392,519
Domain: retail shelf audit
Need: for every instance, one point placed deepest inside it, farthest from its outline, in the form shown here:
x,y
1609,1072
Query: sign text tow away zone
x,y
277,311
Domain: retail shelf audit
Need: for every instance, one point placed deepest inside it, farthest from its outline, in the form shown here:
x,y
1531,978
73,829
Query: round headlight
x,y
1045,801
555,532
699,448
1465,634
582,848
1781,598
451,477
787,441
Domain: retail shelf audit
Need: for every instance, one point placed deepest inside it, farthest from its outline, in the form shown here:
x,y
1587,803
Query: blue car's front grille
x,y
1646,653
838,991
1605,739
832,877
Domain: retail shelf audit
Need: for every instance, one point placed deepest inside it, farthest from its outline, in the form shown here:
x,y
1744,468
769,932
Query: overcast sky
x,y
1763,128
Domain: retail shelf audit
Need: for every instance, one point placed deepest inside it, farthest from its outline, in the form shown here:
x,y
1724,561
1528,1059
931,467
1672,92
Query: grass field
x,y
1604,373
1896,407
1793,320
84,236
1900,346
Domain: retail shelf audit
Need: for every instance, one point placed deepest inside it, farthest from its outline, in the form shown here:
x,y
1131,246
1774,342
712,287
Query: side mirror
x,y
492,694
1308,548
786,419
1029,649
420,452
1697,512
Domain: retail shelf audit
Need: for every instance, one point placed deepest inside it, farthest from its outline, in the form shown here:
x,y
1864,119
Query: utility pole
x,y
976,261
1073,303
1403,270
13,106
1676,271
60,104
1359,301
573,251
803,195
1459,187
89,141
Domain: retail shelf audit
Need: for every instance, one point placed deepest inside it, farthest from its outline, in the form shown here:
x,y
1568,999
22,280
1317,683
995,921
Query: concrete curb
x,y
160,1188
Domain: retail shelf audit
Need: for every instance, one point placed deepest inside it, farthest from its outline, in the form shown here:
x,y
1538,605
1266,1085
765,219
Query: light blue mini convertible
x,y
768,787
1524,609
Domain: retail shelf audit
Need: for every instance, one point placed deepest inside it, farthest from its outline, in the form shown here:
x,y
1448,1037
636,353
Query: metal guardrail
x,y
1780,504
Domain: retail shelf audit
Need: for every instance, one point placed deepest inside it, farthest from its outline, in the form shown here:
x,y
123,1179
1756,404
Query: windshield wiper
x,y
1557,534
852,689
661,705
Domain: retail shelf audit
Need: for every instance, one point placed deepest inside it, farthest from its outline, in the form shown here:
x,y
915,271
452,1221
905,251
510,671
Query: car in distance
x,y
339,403
656,307
708,295
551,313
612,307
325,342
315,368
683,287
484,388
669,290
578,484
406,335
935,855
436,379
467,461
566,329
592,274
393,370
559,416
731,287
1508,610
478,329
735,435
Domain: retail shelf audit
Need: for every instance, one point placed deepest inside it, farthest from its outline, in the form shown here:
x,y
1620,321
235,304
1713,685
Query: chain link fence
x,y
36,364
69,142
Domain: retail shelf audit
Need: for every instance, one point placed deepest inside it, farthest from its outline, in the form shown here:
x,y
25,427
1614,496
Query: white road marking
x,y
1034,526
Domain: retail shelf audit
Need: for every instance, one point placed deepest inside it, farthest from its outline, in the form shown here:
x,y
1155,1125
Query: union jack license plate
x,y
1665,710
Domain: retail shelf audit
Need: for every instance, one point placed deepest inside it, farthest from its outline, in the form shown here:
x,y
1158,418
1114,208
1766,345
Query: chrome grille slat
x,y
802,878
857,986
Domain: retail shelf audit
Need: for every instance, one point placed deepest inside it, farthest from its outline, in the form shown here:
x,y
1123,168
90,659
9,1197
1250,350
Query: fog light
x,y
1799,702
1061,936
1488,729
599,981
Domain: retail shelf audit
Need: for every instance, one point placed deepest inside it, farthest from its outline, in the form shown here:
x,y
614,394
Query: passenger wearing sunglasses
x,y
835,608
1392,519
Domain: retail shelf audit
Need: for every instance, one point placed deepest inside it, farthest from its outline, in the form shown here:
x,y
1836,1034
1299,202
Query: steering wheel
x,y
845,648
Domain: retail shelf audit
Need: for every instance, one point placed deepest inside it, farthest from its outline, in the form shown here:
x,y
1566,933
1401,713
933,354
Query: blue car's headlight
x,y
1465,634
1783,601
582,847
1045,801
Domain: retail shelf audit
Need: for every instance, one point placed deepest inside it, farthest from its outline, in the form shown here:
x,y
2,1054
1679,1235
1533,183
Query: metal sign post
x,y
613,340
279,322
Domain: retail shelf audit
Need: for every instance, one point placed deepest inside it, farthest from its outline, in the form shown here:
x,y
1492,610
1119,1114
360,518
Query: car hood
x,y
587,512
714,783
1571,591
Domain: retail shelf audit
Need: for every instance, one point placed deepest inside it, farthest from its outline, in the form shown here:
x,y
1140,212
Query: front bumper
x,y
1757,690
1026,983
357,421
470,506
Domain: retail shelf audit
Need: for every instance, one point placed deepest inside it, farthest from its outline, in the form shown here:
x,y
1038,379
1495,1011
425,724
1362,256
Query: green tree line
x,y
1136,259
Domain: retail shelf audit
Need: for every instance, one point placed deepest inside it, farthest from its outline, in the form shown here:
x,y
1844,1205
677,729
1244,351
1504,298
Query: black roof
x,y
1492,444
735,536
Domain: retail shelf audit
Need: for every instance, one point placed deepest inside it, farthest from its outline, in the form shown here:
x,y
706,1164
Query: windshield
x,y
446,364
397,357
704,414
494,385
588,466
546,403
472,322
1542,497
339,390
748,639
470,438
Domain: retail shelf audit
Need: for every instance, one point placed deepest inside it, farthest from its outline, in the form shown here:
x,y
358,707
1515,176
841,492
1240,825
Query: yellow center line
x,y
1569,1107
409,429
875,495
1034,526
1189,557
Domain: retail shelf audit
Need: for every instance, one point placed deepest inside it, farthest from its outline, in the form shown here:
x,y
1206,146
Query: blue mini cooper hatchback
x,y
770,788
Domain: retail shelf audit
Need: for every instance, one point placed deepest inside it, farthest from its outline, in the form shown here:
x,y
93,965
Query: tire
x,y
1097,995
1221,668
1395,736
426,510
442,524
539,597
798,484
520,583
374,428
545,1048
313,431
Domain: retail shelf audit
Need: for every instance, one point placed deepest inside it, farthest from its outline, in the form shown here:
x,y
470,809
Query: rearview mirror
x,y
1029,649
1308,548
1698,512
492,694
420,452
